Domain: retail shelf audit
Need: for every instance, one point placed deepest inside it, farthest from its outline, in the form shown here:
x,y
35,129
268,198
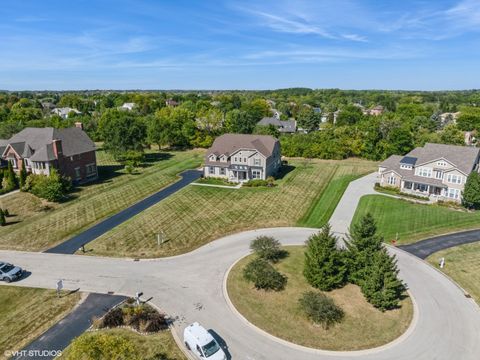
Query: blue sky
x,y
139,44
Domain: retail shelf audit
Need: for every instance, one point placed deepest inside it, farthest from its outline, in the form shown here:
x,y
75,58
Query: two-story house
x,y
435,170
240,158
69,150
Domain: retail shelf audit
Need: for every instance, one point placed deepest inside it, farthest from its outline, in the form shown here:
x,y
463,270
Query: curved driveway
x,y
189,287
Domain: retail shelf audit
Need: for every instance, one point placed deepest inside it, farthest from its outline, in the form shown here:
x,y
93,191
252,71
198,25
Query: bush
x,y
3,221
255,183
102,346
320,309
113,318
142,318
267,248
264,275
52,187
156,322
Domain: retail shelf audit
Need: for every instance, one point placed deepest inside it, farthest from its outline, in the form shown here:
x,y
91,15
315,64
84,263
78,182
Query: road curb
x,y
352,353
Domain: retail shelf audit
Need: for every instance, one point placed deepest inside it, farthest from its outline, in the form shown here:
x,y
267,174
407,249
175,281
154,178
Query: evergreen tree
x,y
23,175
381,285
471,192
9,179
362,244
324,266
3,221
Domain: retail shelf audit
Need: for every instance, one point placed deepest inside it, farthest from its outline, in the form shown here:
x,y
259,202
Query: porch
x,y
431,191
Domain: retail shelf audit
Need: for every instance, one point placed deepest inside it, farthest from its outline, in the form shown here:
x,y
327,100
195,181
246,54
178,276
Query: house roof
x,y
3,146
38,141
229,143
283,125
462,157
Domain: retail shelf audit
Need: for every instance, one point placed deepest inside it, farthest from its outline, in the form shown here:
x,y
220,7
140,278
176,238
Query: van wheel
x,y
187,346
7,280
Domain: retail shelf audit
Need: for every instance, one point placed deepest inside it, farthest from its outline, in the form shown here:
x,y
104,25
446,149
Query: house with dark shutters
x,y
69,150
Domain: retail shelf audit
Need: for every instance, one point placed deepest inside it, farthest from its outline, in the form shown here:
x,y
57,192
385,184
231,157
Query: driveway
x,y
59,336
72,245
190,288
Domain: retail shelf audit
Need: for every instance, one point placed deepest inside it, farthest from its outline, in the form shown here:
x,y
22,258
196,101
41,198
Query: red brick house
x,y
70,151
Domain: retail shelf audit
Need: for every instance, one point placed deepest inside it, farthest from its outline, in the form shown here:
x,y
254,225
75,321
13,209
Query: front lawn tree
x,y
320,309
264,275
471,192
267,248
22,178
324,268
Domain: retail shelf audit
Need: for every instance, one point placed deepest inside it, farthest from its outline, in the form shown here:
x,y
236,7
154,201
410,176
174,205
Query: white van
x,y
201,343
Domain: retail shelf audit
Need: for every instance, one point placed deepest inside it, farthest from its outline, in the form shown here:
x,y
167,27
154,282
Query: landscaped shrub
x,y
3,221
325,267
113,318
156,322
53,187
264,275
255,183
268,248
9,181
471,193
103,346
320,309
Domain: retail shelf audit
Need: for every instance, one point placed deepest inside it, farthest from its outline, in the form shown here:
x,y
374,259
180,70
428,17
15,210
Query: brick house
x,y
70,151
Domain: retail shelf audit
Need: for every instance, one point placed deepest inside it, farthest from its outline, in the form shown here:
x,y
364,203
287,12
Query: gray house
x,y
435,170
240,158
287,126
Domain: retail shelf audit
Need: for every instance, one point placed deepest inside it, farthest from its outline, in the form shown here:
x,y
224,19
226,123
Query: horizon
x,y
240,45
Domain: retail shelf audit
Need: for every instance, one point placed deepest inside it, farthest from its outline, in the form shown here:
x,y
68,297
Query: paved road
x,y
59,336
343,214
190,288
427,247
72,245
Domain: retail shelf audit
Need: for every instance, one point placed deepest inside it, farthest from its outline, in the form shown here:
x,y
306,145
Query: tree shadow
x,y
150,158
220,342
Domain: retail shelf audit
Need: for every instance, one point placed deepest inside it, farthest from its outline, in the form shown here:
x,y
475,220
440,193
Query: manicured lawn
x,y
159,346
414,221
279,314
462,264
38,225
215,181
197,214
26,313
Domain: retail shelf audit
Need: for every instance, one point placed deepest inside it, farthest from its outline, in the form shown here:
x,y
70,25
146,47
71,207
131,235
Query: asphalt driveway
x,y
72,245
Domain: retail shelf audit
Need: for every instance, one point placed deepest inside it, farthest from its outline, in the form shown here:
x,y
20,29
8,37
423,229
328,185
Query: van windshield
x,y
211,348
6,267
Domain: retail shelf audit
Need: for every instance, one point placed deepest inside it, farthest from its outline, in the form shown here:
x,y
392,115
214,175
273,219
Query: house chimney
x,y
79,125
57,148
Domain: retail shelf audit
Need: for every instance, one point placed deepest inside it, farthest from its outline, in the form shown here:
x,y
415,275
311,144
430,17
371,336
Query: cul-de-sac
x,y
288,180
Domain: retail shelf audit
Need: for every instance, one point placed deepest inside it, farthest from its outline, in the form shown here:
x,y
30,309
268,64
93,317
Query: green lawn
x,y
197,214
26,313
462,264
160,346
279,314
38,225
414,221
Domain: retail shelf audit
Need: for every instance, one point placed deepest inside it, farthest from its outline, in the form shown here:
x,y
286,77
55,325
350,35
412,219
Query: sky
x,y
227,44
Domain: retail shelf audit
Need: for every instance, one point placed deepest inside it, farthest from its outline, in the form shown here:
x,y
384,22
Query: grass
x,y
26,313
159,346
279,314
38,225
414,221
215,181
197,214
462,264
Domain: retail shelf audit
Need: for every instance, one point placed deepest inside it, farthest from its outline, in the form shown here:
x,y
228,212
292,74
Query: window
x,y
391,180
454,179
453,193
441,163
256,174
244,160
439,174
235,158
211,170
425,172
257,162
222,171
91,169
404,166
78,175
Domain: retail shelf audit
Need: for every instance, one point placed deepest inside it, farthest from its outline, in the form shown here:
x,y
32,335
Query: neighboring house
x,y
276,114
283,126
171,103
448,117
470,139
435,170
70,151
317,110
64,112
127,106
3,146
240,158
376,111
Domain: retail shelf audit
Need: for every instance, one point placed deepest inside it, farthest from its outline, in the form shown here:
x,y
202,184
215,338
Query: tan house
x,y
435,170
240,158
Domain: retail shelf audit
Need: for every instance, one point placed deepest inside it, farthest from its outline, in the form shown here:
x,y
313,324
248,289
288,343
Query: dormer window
x,y
406,166
441,163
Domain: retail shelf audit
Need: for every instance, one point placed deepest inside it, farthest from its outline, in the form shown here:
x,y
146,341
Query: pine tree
x,y
363,243
3,221
23,175
324,267
10,178
471,192
381,286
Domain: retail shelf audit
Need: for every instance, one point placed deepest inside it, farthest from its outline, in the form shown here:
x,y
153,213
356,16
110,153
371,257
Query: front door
x,y
242,175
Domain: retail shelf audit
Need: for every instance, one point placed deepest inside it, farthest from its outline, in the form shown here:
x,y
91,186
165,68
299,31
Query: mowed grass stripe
x,y
37,229
414,221
197,215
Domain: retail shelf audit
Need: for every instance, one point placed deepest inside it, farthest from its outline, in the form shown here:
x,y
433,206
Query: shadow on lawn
x,y
284,171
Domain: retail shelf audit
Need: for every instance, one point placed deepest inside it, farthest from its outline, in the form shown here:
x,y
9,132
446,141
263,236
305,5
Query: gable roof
x,y
38,141
229,143
283,125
